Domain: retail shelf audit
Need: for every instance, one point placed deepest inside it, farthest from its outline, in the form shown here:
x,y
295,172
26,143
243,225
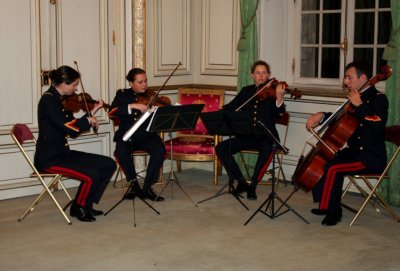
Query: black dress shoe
x,y
94,212
151,195
251,194
81,213
332,217
319,211
241,187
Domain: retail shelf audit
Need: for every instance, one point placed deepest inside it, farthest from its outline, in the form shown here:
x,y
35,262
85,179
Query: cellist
x,y
365,151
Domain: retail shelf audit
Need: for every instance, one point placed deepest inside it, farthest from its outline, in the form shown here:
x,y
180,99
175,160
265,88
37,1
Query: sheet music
x,y
137,124
152,118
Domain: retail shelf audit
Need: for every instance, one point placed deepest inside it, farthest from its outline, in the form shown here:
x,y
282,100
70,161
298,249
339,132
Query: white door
x,y
41,35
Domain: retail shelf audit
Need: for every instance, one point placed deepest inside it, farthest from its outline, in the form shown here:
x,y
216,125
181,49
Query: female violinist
x,y
365,152
53,154
266,110
128,106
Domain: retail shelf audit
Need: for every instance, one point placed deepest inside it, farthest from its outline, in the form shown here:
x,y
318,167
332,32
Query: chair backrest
x,y
392,134
213,99
22,133
284,120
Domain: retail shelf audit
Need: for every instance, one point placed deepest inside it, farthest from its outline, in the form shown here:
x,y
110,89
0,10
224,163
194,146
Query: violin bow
x,y
84,98
163,85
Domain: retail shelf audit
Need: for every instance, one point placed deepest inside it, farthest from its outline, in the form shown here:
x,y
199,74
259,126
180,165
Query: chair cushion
x,y
190,145
212,103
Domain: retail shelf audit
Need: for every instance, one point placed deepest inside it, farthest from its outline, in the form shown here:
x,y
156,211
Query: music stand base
x,y
221,192
270,211
172,178
124,197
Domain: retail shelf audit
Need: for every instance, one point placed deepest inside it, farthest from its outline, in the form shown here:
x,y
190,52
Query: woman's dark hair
x,y
63,74
258,63
132,74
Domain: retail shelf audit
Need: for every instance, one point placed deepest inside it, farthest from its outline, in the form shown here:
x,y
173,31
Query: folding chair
x,y
392,134
23,135
281,121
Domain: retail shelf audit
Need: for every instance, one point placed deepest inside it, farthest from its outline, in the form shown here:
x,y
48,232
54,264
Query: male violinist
x,y
264,110
365,152
127,108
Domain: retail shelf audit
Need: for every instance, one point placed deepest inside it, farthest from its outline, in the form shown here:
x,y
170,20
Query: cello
x,y
338,129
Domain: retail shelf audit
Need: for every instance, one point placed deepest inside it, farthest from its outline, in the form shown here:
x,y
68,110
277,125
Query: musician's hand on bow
x,y
93,122
354,97
314,120
143,108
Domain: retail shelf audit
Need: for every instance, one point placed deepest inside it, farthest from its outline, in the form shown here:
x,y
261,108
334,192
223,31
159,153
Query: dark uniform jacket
x,y
119,109
265,111
367,143
55,125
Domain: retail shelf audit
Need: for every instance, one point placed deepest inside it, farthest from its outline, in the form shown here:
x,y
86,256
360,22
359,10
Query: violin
x,y
270,91
76,102
149,97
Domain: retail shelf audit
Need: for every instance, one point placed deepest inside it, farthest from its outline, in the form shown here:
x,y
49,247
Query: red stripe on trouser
x,y
86,186
265,167
330,179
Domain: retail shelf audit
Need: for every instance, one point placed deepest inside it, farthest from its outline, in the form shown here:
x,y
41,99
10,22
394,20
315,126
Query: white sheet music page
x,y
137,124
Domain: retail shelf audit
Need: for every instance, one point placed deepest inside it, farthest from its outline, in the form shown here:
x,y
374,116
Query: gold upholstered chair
x,y
197,145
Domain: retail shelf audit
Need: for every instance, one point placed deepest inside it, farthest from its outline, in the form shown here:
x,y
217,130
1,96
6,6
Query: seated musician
x,y
365,151
127,106
265,111
53,154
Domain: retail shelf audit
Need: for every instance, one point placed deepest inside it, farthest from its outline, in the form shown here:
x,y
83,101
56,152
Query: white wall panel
x,y
171,36
219,37
19,32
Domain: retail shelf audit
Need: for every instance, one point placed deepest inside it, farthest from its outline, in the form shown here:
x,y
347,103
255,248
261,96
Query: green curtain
x,y
248,54
248,42
391,188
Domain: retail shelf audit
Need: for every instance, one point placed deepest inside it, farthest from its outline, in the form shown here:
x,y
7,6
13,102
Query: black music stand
x,y
130,192
227,123
270,201
170,119
125,196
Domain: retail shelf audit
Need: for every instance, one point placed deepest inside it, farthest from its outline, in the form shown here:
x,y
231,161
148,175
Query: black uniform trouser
x,y
228,148
149,142
94,171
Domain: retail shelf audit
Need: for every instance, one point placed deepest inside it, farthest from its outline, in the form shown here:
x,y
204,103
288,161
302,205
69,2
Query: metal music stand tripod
x,y
170,119
125,196
270,201
130,191
227,124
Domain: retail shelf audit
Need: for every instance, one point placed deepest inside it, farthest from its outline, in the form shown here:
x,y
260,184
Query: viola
x,y
76,102
340,126
149,98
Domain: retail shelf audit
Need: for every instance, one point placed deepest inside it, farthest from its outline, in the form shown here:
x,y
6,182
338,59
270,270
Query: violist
x,y
127,108
53,154
365,152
